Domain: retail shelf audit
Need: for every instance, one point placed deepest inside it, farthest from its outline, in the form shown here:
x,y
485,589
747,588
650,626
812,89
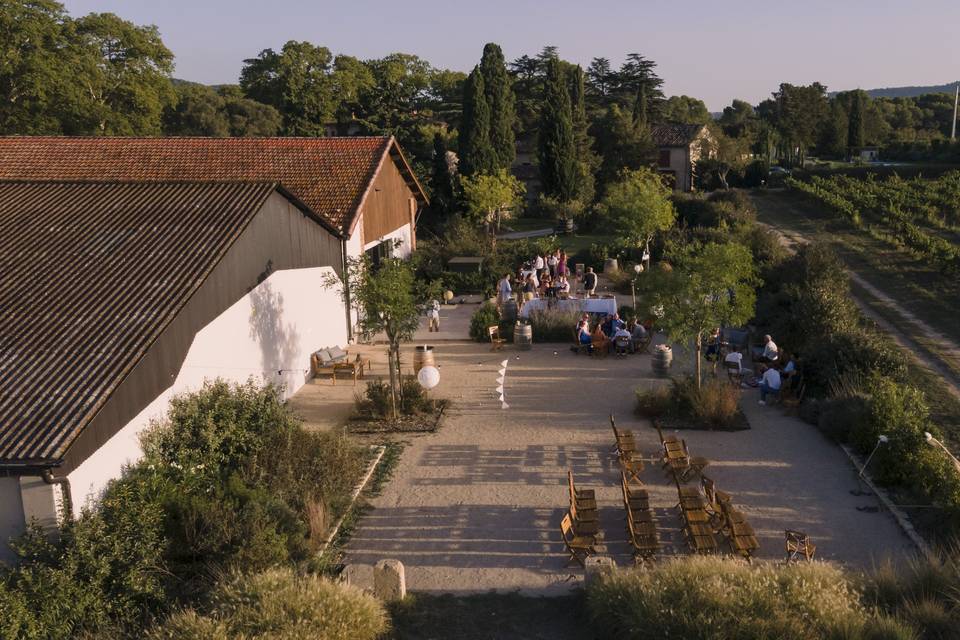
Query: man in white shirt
x,y
735,357
770,351
505,290
769,383
538,264
552,261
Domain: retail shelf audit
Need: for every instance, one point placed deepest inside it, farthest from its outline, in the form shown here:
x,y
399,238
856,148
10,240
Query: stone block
x,y
389,583
596,567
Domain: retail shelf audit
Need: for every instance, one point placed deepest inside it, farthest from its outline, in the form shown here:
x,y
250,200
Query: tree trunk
x,y
697,367
393,380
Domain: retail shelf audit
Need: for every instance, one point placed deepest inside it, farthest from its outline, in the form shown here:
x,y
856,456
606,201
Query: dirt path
x,y
930,348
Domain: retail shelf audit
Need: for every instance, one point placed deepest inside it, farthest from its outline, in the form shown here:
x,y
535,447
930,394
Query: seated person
x,y
599,342
531,285
735,357
790,369
546,287
769,383
583,333
623,340
609,328
770,353
638,333
562,285
617,323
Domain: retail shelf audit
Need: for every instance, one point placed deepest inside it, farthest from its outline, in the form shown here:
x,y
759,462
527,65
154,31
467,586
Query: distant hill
x,y
908,92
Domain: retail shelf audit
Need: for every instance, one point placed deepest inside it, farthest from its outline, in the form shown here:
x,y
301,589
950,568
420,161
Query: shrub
x,y
837,416
701,597
280,605
850,355
653,403
549,325
483,318
715,403
740,204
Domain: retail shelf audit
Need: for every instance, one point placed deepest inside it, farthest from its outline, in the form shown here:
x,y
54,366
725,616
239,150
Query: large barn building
x,y
135,269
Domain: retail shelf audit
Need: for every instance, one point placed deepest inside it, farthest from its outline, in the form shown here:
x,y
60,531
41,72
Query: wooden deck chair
x,y
623,440
792,400
663,440
643,539
636,498
580,547
496,342
695,467
798,544
631,466
579,494
734,373
700,538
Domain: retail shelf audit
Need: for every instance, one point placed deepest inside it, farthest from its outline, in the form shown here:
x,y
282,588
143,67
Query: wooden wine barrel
x,y
610,265
508,311
523,336
423,357
661,361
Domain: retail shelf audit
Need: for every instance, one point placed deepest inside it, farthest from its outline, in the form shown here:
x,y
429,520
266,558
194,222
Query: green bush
x,y
482,319
720,598
550,325
838,416
838,358
280,605
653,403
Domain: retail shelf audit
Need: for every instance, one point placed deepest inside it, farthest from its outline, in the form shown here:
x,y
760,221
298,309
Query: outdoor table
x,y
606,306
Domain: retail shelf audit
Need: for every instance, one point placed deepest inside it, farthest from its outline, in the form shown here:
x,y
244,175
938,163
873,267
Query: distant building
x,y
679,148
866,154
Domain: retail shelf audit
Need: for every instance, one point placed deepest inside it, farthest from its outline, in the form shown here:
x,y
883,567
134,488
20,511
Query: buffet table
x,y
588,305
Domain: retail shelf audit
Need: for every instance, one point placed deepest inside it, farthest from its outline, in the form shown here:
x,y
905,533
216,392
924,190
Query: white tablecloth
x,y
590,305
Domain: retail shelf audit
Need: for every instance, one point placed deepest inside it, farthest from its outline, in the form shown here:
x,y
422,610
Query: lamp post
x,y
880,440
936,443
637,270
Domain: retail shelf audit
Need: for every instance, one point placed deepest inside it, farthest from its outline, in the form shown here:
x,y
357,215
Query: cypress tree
x,y
476,153
587,160
441,181
498,90
556,144
855,134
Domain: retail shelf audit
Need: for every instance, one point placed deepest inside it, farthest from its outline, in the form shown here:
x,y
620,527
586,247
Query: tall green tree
x,y
710,286
492,197
498,90
833,136
588,162
639,86
637,206
122,77
686,110
35,66
855,131
476,151
621,143
600,79
557,142
296,81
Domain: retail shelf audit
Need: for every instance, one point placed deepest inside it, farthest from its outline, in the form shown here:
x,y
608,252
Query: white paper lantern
x,y
428,377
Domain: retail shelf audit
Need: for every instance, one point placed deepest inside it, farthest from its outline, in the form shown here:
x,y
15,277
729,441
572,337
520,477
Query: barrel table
x,y
523,336
422,357
661,361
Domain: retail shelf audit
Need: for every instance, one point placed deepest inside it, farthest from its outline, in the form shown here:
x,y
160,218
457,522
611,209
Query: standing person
x,y
552,262
589,281
504,290
434,316
538,263
562,262
769,383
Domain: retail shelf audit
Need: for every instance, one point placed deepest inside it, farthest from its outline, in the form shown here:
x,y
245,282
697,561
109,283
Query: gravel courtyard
x,y
477,505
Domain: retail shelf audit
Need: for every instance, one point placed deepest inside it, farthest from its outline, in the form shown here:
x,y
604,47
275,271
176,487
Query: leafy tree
x,y
710,286
855,131
296,81
35,66
476,152
199,111
622,144
123,82
441,178
686,110
639,86
390,300
739,120
587,161
797,115
247,117
600,79
833,138
401,83
491,197
350,80
638,206
557,143
499,95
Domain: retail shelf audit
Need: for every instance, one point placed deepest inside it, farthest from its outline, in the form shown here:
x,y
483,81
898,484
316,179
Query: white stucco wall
x,y
404,234
268,334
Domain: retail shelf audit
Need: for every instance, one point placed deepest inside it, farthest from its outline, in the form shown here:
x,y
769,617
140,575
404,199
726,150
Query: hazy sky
x,y
715,51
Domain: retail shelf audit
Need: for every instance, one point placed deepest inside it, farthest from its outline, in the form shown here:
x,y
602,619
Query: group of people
x,y
544,277
626,337
771,371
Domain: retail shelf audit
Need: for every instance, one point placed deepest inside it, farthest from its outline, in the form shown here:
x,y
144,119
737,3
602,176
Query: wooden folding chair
x,y
798,544
631,466
580,547
579,494
643,539
623,440
496,342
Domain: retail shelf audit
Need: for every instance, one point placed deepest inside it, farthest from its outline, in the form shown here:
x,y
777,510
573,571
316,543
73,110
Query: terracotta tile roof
x,y
674,134
93,273
330,175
